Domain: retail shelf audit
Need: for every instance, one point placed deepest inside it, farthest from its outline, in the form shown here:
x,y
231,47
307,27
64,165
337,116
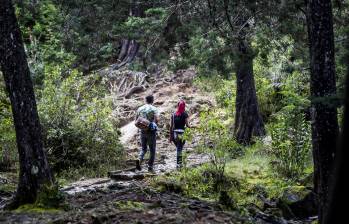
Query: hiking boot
x,y
150,169
179,166
138,165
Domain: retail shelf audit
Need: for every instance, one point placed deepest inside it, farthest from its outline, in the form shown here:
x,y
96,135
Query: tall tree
x,y
34,169
236,17
323,88
248,120
336,212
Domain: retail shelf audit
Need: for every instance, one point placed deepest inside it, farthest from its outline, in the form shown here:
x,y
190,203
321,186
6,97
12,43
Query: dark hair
x,y
149,99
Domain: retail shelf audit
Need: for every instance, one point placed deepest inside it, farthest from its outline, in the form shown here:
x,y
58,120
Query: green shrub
x,y
280,77
41,23
226,95
216,141
8,147
202,182
269,97
79,132
291,142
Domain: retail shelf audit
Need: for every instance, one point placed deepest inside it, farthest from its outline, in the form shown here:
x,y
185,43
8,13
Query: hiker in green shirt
x,y
148,136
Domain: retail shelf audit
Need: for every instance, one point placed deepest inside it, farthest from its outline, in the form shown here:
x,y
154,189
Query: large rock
x,y
298,202
125,176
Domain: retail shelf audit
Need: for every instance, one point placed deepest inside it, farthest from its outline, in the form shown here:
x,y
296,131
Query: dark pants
x,y
179,146
148,139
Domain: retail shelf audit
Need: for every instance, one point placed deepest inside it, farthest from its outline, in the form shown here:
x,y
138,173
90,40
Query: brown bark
x,y
34,170
323,87
129,48
336,212
128,52
339,193
248,121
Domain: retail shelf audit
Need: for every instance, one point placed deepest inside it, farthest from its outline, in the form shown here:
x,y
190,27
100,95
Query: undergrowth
x,y
248,180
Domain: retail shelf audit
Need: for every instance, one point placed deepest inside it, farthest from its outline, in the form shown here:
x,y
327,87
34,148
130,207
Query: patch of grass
x,y
255,178
34,208
8,182
75,174
49,200
8,187
248,179
51,197
258,178
199,182
130,205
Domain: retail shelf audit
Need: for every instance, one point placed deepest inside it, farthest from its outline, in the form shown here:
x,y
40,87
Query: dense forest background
x,y
255,58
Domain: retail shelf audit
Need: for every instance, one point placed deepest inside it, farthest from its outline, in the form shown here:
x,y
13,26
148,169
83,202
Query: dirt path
x,y
166,99
132,204
128,132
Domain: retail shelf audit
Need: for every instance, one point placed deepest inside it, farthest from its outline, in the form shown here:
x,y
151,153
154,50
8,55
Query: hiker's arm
x,y
171,124
156,118
187,123
171,129
137,115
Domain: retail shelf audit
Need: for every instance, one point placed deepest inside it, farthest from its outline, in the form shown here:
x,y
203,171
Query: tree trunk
x,y
128,51
34,170
323,87
336,212
129,48
248,121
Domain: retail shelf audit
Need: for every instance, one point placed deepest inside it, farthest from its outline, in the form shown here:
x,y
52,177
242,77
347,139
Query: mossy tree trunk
x,y
323,89
248,120
34,170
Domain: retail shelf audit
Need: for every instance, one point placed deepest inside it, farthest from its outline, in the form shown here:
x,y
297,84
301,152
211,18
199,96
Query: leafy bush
x,y
8,150
144,29
224,90
269,97
218,144
200,182
291,142
226,95
78,129
290,130
41,24
279,75
147,31
209,53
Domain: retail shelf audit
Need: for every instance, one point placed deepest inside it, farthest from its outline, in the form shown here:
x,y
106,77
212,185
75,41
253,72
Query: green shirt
x,y
148,111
